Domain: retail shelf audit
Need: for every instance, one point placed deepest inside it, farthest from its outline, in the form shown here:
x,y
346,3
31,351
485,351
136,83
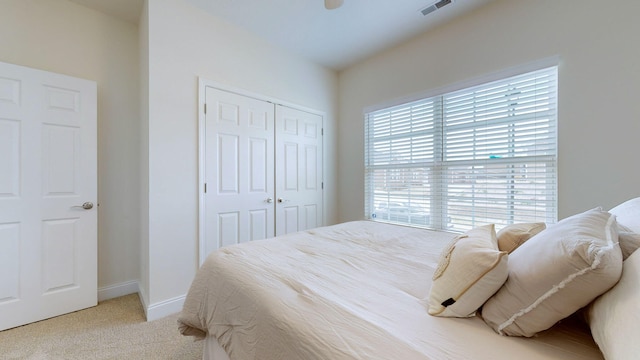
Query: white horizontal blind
x,y
499,158
480,155
399,156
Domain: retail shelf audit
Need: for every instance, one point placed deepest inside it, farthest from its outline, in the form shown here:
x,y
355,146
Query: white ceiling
x,y
333,38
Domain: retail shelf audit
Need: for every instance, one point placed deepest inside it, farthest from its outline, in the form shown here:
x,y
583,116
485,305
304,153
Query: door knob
x,y
86,206
269,200
281,200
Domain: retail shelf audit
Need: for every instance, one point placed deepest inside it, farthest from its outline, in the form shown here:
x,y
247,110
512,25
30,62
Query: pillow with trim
x,y
555,273
469,271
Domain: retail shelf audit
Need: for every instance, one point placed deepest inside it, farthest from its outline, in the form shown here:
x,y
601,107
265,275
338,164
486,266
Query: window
x,y
480,155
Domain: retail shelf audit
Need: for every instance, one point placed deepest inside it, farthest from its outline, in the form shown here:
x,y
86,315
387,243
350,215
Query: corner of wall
x,y
143,33
163,308
118,290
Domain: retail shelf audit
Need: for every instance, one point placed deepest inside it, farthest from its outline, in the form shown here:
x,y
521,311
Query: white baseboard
x,y
164,308
152,311
144,300
117,290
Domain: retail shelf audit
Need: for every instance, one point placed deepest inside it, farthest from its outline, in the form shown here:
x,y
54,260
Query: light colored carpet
x,y
115,329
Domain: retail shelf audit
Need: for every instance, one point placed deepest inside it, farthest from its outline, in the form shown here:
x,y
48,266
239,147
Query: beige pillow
x,y
512,236
555,273
614,316
470,270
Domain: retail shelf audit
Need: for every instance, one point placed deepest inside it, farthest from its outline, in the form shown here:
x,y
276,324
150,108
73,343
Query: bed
x,y
361,290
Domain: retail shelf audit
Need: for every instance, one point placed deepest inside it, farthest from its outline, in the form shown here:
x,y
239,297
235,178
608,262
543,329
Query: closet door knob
x,y
269,200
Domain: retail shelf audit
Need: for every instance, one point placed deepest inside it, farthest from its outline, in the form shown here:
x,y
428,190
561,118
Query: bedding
x,y
357,290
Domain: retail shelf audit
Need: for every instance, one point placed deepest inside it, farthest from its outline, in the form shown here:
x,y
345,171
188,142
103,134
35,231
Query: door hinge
x,y
322,185
205,188
322,131
205,108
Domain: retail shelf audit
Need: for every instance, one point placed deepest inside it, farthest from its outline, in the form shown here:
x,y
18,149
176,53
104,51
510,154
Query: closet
x,y
262,167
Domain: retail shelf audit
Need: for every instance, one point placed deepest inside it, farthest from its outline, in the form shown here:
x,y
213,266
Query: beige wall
x,y
599,82
186,43
63,37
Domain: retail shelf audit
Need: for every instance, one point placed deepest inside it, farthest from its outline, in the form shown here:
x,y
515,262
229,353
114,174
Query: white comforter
x,y
350,291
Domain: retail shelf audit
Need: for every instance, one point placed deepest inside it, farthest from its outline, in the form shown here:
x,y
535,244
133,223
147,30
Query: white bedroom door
x,y
239,169
298,170
48,193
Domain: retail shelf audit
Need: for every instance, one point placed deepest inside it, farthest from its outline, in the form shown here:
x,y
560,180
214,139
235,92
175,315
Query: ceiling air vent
x,y
431,8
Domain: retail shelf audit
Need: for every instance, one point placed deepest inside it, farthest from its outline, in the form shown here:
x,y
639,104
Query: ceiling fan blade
x,y
333,4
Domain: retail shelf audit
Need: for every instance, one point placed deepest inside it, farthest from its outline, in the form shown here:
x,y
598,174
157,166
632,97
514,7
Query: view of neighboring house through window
x,y
480,155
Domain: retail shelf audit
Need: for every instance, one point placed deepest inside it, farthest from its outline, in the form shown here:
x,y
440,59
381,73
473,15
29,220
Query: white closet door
x,y
239,169
48,240
298,170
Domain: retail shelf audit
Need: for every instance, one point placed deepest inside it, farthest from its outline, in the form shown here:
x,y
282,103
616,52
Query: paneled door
x,y
48,192
298,170
262,168
239,169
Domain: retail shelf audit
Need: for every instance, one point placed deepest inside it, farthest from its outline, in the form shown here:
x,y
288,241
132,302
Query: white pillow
x,y
628,214
614,317
470,270
628,218
555,273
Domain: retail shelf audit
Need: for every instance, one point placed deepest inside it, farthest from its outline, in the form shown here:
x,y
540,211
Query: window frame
x,y
438,213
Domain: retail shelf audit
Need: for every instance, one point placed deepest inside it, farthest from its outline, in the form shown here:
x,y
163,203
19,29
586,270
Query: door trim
x,y
202,86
